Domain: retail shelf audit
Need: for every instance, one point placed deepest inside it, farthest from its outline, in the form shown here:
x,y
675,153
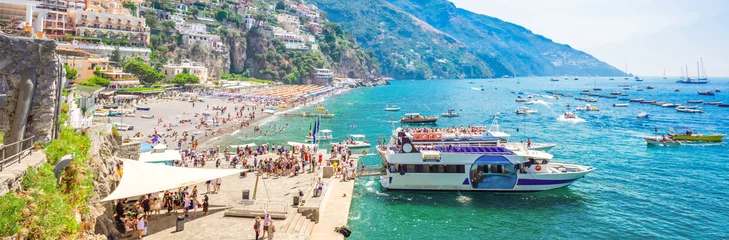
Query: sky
x,y
648,35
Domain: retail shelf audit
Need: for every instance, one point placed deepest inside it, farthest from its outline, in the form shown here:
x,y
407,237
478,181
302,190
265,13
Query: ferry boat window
x,y
418,168
433,168
410,168
460,169
450,168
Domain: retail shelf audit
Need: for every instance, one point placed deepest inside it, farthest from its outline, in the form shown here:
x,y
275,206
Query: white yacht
x,y
323,135
355,141
447,166
392,108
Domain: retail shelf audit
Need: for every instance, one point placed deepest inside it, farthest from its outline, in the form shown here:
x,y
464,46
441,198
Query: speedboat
x,y
661,141
392,108
590,99
457,167
520,99
649,87
707,93
525,110
712,103
638,79
642,115
717,90
355,141
569,115
554,80
615,93
636,100
450,113
416,118
620,104
670,105
676,90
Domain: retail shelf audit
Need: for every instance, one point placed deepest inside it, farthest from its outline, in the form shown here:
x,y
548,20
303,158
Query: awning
x,y
142,178
154,156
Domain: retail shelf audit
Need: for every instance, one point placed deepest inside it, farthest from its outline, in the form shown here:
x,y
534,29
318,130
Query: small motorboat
x,y
712,103
148,116
639,90
569,115
471,82
620,105
611,79
642,115
520,99
554,80
355,141
689,110
450,113
597,89
648,102
636,100
590,99
392,108
723,105
695,101
676,90
323,135
707,93
670,105
691,136
638,79
525,110
143,108
661,141
111,106
717,90
416,118
659,103
649,87
616,93
585,90
320,108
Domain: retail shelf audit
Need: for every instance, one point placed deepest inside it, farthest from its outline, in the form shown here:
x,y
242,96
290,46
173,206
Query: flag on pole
x,y
310,133
313,133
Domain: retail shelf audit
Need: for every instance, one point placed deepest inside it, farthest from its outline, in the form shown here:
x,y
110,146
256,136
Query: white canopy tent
x,y
142,178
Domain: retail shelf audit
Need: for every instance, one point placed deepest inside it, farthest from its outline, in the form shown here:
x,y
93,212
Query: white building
x,y
193,68
197,28
323,76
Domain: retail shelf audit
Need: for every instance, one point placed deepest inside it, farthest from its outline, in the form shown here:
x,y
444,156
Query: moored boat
x,y
670,105
355,141
392,108
642,115
712,103
449,167
450,113
706,93
649,87
525,110
620,105
416,118
569,115
636,100
695,101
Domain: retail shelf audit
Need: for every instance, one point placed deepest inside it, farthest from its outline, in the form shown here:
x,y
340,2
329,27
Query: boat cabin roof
x,y
412,114
326,131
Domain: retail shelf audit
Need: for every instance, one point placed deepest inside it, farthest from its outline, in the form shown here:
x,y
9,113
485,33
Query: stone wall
x,y
34,59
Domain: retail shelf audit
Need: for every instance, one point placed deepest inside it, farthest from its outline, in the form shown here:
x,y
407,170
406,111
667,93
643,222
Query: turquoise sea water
x,y
636,191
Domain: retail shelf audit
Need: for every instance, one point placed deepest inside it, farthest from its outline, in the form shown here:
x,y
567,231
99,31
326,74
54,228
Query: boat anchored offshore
x,y
392,108
450,113
525,110
661,141
471,167
416,118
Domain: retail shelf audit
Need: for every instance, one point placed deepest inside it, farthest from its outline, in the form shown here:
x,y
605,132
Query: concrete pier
x,y
334,209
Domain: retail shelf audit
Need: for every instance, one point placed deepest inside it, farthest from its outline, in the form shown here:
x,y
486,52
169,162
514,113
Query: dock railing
x,y
22,149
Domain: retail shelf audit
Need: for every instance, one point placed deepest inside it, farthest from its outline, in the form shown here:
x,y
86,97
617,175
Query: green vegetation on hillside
x,y
45,208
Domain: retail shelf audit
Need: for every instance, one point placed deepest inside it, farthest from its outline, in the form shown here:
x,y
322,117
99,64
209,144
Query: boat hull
x,y
710,138
462,182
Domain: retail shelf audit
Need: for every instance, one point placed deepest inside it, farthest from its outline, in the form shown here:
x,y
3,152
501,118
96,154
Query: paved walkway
x,y
277,192
334,209
10,174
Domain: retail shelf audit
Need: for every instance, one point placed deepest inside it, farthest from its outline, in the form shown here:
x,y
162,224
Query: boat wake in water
x,y
570,120
542,102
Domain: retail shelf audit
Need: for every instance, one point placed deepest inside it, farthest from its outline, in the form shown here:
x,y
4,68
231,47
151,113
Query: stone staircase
x,y
296,226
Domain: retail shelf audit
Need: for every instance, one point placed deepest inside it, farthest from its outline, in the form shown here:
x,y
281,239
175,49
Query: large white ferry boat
x,y
475,165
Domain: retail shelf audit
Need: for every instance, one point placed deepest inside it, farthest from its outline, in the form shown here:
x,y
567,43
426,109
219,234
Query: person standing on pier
x,y
257,226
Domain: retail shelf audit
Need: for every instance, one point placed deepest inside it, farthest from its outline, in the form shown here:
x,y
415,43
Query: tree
x,y
71,73
97,81
146,74
115,57
221,15
150,18
131,6
97,71
280,5
184,78
168,24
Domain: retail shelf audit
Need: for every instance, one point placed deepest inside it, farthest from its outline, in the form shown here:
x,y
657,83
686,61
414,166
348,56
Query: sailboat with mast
x,y
626,70
664,73
689,80
702,75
